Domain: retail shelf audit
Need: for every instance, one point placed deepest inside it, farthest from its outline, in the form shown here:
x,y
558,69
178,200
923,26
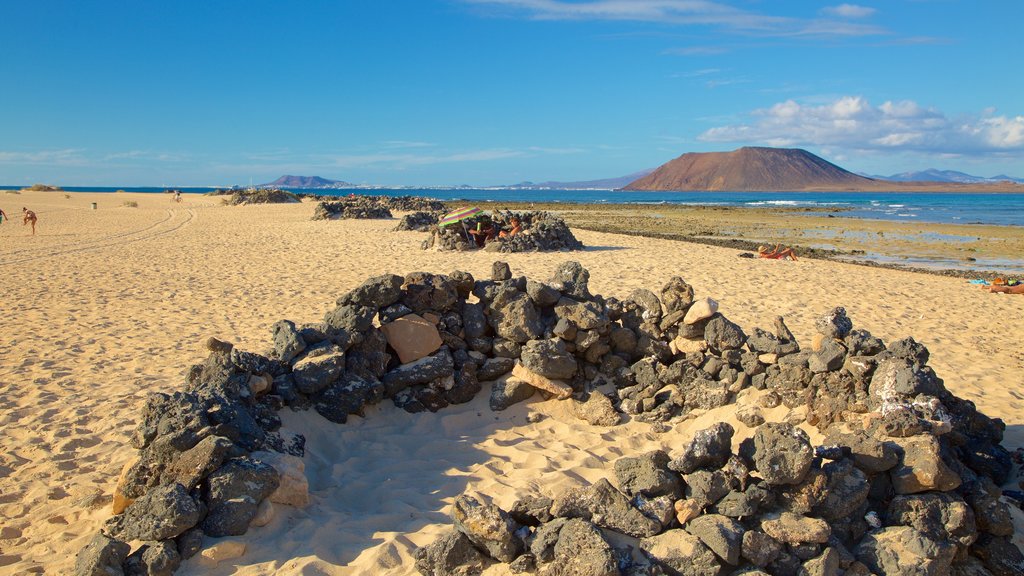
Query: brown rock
x,y
921,468
687,510
558,388
120,500
796,529
412,336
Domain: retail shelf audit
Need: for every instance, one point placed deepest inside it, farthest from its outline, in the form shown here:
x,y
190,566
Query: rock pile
x,y
261,196
419,221
541,232
368,207
905,483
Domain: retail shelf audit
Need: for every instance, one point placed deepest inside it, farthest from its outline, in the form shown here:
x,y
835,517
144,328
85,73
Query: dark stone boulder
x,y
474,322
542,294
846,490
494,368
581,550
709,449
782,453
904,551
516,318
233,492
587,315
532,510
647,475
102,556
376,292
602,504
834,324
489,528
500,271
680,553
1001,556
153,559
506,392
723,535
868,453
196,463
350,318
759,548
163,513
706,487
549,358
573,279
829,358
429,292
190,542
450,555
722,334
943,517
349,395
676,295
318,368
288,343
422,371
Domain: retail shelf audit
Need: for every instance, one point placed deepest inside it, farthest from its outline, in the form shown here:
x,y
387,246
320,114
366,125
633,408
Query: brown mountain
x,y
751,169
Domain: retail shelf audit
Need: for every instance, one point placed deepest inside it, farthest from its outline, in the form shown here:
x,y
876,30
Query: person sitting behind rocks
x,y
483,233
777,253
517,227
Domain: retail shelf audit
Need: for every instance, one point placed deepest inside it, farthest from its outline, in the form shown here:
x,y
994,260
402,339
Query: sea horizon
x,y
979,208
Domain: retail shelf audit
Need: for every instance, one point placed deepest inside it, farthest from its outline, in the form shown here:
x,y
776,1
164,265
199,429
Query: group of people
x,y
28,217
486,230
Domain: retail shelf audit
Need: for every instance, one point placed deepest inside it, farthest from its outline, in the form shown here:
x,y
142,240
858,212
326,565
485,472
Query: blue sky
x,y
439,92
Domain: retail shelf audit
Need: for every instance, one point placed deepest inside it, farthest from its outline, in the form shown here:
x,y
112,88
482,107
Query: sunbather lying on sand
x,y
1018,289
778,253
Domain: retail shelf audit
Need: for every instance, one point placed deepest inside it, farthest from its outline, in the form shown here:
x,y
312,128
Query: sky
x,y
490,92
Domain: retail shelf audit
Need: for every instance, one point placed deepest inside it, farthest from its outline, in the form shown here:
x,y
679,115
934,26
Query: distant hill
x,y
750,169
935,175
289,181
603,184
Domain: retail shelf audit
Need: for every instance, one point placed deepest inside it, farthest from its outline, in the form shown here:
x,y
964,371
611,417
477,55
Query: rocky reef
x,y
906,480
373,207
541,232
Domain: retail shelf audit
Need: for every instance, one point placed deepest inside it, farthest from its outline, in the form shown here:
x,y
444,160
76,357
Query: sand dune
x,y
104,306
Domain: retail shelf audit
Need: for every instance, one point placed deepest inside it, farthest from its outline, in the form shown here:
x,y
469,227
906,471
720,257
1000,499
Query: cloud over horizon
x,y
854,124
694,12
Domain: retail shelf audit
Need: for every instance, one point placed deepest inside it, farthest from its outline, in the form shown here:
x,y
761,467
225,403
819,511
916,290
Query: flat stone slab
x,y
412,336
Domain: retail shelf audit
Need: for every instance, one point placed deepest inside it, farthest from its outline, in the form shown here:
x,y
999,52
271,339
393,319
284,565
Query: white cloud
x,y
848,11
853,123
686,12
65,157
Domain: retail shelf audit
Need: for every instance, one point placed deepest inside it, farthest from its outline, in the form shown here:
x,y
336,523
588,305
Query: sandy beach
x,y
102,307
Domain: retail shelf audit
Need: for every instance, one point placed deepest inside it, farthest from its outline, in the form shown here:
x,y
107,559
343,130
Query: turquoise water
x,y
998,209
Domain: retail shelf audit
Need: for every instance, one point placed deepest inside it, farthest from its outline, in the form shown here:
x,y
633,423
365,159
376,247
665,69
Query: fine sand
x,y
103,307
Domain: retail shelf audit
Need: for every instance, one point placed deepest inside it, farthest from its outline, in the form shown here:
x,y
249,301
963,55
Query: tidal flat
x,y
966,250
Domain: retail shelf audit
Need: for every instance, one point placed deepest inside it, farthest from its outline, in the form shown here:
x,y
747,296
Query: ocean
x,y
949,208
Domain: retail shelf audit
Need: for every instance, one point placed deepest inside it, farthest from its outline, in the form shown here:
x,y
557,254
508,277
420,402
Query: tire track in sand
x,y
123,238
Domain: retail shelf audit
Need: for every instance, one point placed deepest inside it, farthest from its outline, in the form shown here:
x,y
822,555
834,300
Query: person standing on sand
x,y
29,216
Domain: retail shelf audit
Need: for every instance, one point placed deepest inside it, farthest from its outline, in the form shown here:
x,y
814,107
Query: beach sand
x,y
103,307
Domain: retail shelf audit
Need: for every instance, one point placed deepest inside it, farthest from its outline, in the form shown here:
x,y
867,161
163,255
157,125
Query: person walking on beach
x,y
29,216
177,196
3,215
